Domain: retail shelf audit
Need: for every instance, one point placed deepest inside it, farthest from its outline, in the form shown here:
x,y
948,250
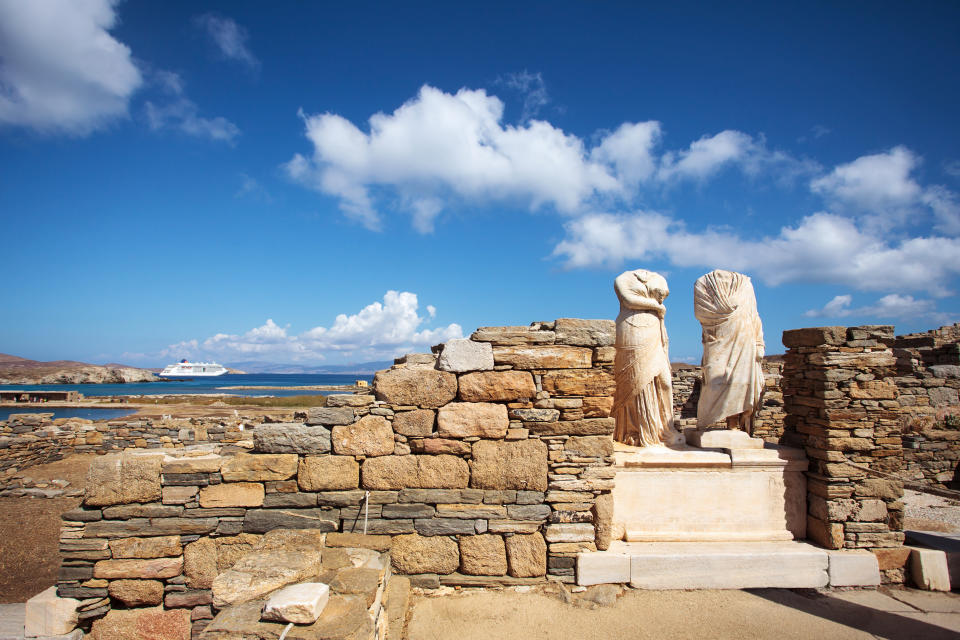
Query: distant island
x,y
16,370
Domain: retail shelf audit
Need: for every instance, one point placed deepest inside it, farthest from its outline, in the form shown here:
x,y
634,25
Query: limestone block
x,y
291,437
929,569
585,427
415,472
892,558
590,446
497,386
178,495
544,357
299,603
483,555
586,333
579,382
143,624
146,569
853,568
232,494
827,534
136,593
436,446
200,563
330,416
369,436
461,355
535,415
814,336
414,423
466,419
209,463
520,464
597,407
526,555
349,400
264,520
721,439
573,532
603,520
424,388
602,568
157,547
513,335
328,473
123,479
414,553
258,467
47,614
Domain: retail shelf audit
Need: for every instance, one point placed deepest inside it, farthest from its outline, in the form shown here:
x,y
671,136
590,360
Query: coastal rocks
x,y
466,419
123,479
521,464
425,388
414,554
369,436
328,473
291,437
460,355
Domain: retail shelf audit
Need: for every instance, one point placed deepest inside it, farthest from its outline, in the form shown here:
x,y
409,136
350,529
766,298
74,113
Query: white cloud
x,y
822,248
952,168
182,114
60,69
889,306
706,157
533,89
629,150
380,330
230,38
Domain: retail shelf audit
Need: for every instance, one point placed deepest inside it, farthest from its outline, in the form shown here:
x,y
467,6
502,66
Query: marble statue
x,y
726,306
643,403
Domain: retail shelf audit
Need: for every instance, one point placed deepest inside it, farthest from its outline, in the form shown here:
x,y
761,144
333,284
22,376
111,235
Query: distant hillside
x,y
358,368
17,370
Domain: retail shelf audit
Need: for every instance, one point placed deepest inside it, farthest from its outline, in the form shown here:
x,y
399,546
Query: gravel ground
x,y
920,509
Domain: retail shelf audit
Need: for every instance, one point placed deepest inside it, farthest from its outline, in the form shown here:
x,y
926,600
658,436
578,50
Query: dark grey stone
x,y
291,437
272,500
152,510
330,415
444,526
528,511
263,520
410,510
530,497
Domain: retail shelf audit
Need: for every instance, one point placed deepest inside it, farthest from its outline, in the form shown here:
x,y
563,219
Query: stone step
x,y
724,565
949,543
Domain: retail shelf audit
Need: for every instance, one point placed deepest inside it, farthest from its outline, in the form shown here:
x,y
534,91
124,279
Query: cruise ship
x,y
193,369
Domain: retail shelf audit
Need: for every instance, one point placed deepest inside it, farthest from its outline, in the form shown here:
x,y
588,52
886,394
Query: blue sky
x,y
299,182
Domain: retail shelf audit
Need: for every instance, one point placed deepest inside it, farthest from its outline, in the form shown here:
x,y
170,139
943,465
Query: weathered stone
x,y
408,511
471,511
528,511
349,400
445,526
123,479
148,569
153,510
359,541
297,500
46,614
298,603
520,464
415,472
597,407
414,553
585,333
178,495
436,446
258,467
814,336
544,357
585,427
579,382
590,446
460,355
483,555
209,463
496,386
421,387
603,520
200,563
328,473
158,547
291,437
232,494
136,593
330,416
369,436
143,624
466,419
513,335
526,555
581,532
535,415
187,599
263,520
418,422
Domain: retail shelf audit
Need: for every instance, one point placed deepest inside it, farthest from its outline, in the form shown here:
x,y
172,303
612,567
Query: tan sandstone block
x,y
466,419
544,357
527,555
258,467
483,555
520,465
597,407
579,382
157,547
136,593
369,436
415,472
232,494
590,446
123,479
418,422
603,520
426,388
143,624
150,569
827,534
193,464
328,473
413,553
497,386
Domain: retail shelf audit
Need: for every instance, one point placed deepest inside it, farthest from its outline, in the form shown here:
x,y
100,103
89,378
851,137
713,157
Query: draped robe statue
x,y
726,306
643,403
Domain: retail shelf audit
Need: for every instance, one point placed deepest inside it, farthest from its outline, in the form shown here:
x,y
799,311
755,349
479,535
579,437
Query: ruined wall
x,y
842,406
489,462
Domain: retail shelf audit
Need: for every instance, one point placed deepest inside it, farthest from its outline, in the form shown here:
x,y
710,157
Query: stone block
x,y
297,500
827,534
483,555
574,532
513,335
602,568
471,511
413,553
330,416
544,357
178,495
349,400
603,520
232,494
264,520
520,464
467,419
187,599
328,473
929,569
497,386
852,568
892,558
369,436
136,593
416,423
291,437
535,415
151,623
461,355
579,382
424,388
445,526
245,467
585,427
415,472
359,541
528,511
46,614
590,446
123,479
586,333
299,603
156,547
436,446
526,555
814,337
209,463
145,569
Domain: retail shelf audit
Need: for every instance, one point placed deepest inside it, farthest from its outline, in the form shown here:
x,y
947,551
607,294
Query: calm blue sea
x,y
86,414
209,385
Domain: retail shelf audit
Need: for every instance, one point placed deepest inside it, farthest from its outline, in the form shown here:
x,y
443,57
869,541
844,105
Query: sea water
x,y
59,412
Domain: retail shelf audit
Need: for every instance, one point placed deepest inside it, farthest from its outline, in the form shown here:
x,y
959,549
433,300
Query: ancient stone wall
x,y
842,406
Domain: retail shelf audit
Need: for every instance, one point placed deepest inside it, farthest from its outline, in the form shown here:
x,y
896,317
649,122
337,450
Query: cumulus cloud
x,y
630,151
60,69
380,330
890,306
822,248
706,157
229,37
182,114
